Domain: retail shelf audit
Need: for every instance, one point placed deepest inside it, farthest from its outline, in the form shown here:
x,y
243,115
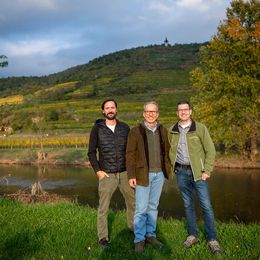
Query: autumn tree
x,y
227,82
3,61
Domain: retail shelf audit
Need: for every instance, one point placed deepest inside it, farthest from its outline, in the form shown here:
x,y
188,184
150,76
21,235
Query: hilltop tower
x,y
166,42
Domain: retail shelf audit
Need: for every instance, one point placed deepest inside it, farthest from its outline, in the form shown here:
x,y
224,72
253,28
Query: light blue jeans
x,y
147,200
187,185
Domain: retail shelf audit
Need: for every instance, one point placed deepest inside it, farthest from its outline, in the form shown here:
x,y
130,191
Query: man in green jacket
x,y
147,164
192,154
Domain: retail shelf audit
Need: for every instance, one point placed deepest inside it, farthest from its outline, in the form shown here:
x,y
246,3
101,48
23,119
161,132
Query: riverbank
x,y
52,156
63,230
78,157
236,162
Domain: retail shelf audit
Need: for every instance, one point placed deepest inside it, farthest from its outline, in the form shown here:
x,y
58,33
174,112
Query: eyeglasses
x,y
183,110
151,112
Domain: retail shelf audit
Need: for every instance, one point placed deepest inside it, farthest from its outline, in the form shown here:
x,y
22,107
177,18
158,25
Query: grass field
x,y
68,231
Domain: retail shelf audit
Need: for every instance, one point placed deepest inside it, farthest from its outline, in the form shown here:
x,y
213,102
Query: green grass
x,y
18,153
74,154
68,231
66,154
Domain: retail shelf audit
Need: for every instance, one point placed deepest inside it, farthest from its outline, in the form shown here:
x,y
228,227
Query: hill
x,y
70,100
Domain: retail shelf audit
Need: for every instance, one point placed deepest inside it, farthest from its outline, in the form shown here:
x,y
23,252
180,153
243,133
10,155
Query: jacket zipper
x,y
116,145
116,149
189,158
202,165
176,150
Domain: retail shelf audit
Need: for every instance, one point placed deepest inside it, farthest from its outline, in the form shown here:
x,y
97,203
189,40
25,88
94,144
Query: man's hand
x,y
101,175
204,176
132,182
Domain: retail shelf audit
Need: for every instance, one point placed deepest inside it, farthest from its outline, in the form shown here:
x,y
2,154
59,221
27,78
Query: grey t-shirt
x,y
182,151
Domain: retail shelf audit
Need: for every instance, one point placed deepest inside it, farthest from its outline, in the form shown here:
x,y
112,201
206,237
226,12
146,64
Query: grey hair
x,y
151,103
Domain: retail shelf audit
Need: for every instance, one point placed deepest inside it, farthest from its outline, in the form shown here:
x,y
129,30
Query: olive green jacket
x,y
201,150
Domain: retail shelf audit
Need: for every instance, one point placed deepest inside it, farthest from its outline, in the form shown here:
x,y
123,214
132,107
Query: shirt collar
x,y
151,128
184,126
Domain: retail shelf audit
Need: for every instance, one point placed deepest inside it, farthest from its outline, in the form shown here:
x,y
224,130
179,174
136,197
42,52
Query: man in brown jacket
x,y
147,163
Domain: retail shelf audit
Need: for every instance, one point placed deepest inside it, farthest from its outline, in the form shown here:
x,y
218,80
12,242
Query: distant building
x,y
166,42
6,129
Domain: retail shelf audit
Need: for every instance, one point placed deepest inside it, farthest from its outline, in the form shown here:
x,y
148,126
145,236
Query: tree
x,y
227,82
3,61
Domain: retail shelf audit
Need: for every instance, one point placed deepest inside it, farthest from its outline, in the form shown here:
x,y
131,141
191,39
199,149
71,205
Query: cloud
x,y
51,35
198,4
31,47
31,4
160,6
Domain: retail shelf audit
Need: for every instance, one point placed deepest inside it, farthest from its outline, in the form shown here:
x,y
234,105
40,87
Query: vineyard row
x,y
46,142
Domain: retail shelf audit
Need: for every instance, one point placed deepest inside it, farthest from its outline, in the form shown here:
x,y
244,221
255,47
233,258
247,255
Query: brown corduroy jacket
x,y
137,156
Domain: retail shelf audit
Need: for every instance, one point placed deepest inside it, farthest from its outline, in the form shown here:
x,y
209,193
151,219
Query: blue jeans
x,y
147,200
186,185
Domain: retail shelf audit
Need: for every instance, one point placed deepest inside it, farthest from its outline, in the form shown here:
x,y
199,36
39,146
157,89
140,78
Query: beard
x,y
110,116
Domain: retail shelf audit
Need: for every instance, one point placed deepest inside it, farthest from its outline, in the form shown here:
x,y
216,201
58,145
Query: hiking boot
x,y
139,246
154,241
190,241
104,243
214,247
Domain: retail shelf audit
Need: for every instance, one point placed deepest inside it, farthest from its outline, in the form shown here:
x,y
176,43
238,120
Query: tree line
x,y
227,82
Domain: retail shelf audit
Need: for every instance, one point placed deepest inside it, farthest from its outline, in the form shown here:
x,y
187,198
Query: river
x,y
235,193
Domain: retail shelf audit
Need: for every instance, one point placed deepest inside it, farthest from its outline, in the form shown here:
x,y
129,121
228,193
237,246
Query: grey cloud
x,y
97,27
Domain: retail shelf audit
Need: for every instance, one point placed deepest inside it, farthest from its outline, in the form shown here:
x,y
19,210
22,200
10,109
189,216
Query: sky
x,y
41,37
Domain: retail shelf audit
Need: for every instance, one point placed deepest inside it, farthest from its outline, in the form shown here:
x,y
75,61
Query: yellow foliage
x,y
53,141
18,99
103,80
256,32
62,85
56,87
236,30
84,90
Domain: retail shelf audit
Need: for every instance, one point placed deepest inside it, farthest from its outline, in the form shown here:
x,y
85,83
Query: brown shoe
x,y
139,246
154,241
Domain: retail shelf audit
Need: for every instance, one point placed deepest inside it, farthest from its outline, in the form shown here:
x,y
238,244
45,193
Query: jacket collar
x,y
102,122
175,128
143,126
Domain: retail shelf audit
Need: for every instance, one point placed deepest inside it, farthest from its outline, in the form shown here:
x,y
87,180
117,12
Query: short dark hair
x,y
108,100
184,101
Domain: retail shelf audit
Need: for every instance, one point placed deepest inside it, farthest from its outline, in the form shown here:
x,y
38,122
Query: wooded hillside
x,y
70,100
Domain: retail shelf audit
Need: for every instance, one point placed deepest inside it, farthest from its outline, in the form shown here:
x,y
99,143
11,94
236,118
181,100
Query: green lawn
x,y
68,231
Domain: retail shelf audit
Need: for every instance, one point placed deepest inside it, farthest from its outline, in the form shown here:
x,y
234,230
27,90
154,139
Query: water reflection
x,y
234,193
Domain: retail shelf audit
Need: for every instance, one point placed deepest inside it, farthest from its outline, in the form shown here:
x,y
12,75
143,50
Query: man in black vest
x,y
108,137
